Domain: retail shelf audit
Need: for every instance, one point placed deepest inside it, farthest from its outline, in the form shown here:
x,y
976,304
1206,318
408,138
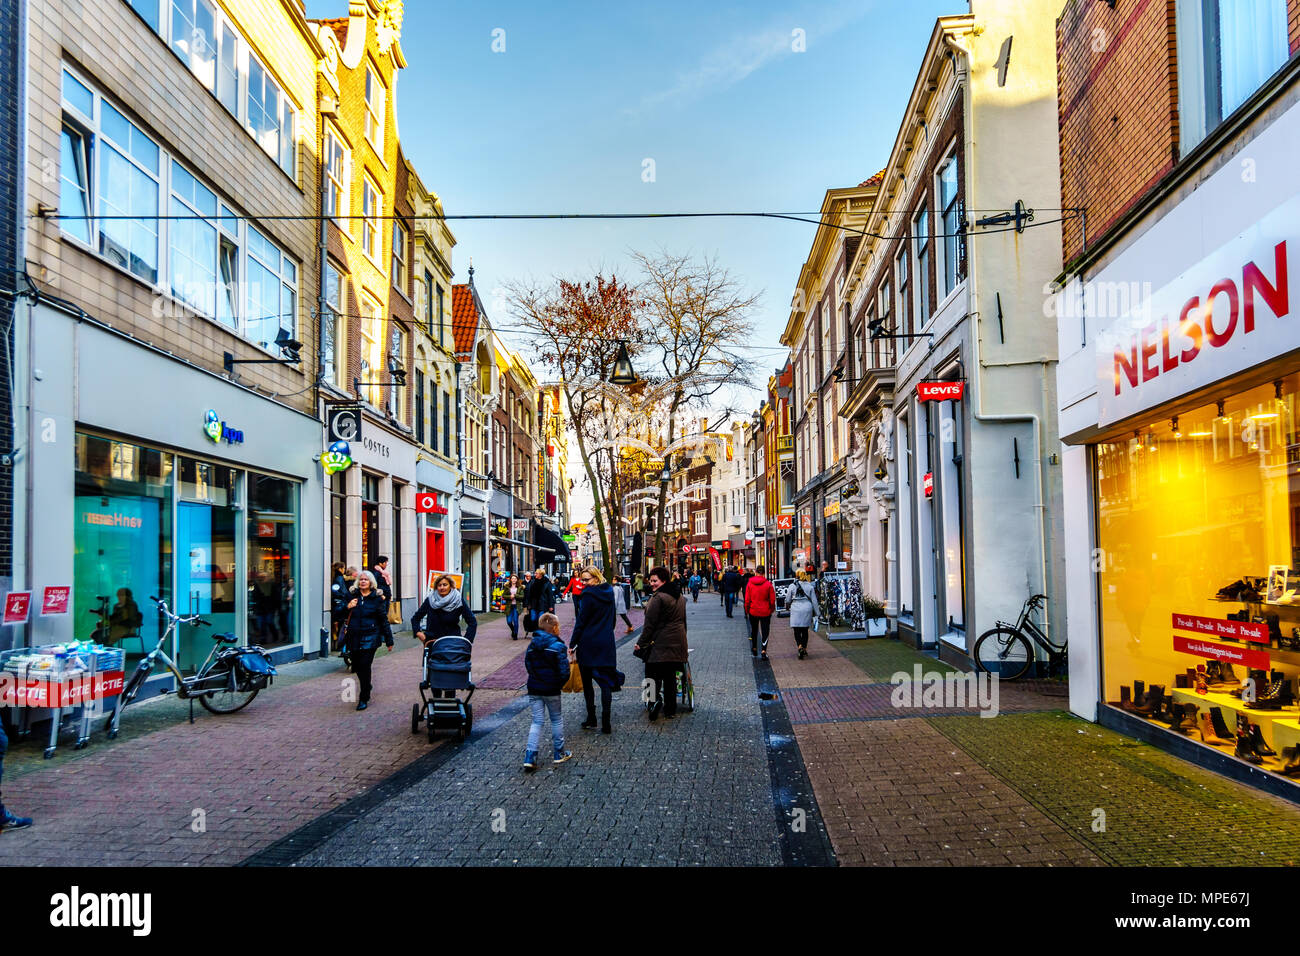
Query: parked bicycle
x,y
1006,649
226,682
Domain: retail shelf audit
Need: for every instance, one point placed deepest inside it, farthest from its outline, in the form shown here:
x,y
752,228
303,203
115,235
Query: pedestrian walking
x,y
574,587
341,592
367,628
638,589
664,637
383,579
547,663
694,585
801,601
730,587
514,598
538,599
593,642
745,575
760,602
442,611
620,604
8,819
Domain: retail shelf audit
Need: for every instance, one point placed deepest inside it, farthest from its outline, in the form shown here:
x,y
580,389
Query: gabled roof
x,y
466,312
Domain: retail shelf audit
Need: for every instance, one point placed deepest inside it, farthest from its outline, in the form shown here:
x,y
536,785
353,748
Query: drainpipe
x,y
977,393
321,301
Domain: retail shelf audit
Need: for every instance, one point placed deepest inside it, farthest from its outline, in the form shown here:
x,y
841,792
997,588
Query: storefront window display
x,y
122,541
1198,532
272,554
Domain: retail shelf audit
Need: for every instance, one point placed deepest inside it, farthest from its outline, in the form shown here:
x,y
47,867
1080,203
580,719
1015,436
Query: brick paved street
x,y
300,778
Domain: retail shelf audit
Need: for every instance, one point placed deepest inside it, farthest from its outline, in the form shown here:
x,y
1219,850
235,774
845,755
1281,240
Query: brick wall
x,y
1118,80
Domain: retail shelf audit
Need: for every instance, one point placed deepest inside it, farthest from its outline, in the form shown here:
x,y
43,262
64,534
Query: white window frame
x,y
397,356
399,269
920,272
949,274
227,74
373,349
338,179
336,373
231,228
376,95
372,208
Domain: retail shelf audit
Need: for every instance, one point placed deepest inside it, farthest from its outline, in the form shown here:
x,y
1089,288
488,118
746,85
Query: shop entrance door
x,y
207,577
434,550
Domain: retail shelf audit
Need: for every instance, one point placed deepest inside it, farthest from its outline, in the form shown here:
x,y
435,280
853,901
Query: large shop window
x,y
272,556
122,543
953,514
1198,532
903,471
207,249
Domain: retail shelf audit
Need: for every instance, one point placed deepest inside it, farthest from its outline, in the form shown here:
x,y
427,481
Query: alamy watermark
x,y
945,691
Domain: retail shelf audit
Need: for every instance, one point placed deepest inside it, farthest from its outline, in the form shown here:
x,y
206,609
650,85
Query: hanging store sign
x,y
343,423
927,484
337,458
939,391
785,522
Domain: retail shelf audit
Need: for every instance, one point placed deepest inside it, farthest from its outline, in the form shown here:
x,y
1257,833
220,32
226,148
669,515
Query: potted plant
x,y
874,613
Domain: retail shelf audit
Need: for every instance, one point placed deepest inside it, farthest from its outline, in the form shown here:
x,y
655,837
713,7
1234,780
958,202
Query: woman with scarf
x,y
664,635
367,626
441,613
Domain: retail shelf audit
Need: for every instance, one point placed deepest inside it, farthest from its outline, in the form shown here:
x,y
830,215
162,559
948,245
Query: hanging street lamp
x,y
623,373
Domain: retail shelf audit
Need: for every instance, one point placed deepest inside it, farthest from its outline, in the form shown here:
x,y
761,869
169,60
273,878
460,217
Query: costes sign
x,y
1227,313
939,391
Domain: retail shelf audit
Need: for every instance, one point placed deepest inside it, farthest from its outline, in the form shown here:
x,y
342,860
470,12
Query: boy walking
x,y
547,663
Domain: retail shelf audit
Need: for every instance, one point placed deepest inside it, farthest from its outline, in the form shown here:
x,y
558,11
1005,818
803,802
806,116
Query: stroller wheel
x,y
415,718
432,731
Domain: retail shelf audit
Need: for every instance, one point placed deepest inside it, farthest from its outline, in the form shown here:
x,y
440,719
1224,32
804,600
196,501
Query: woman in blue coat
x,y
593,641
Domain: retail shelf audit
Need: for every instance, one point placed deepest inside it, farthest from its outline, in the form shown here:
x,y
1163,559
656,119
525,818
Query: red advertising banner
x,y
1232,654
18,692
55,600
17,604
785,522
717,559
1217,627
939,391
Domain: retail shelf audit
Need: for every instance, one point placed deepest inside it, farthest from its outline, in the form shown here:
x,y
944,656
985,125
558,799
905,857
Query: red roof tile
x,y
875,180
464,318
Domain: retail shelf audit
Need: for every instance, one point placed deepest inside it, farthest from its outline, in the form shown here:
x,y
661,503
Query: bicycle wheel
x,y
226,700
1003,651
129,693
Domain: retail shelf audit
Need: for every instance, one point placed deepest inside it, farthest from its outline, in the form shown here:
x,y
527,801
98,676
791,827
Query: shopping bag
x,y
394,612
574,684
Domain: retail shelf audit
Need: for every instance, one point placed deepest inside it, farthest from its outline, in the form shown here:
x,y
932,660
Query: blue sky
x,y
732,117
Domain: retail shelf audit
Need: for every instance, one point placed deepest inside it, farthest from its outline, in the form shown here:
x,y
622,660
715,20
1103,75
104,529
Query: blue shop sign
x,y
220,431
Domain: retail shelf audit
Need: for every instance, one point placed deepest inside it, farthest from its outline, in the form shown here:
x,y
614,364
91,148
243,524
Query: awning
x,y
522,544
548,540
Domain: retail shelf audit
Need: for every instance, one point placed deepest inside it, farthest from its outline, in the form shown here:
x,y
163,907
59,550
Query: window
x,y
74,183
228,310
374,111
399,257
433,417
428,302
372,347
446,426
441,317
950,226
903,269
270,117
337,180
127,185
334,343
921,297
371,208
272,292
149,12
396,361
193,242
194,39
228,70
419,407
1227,49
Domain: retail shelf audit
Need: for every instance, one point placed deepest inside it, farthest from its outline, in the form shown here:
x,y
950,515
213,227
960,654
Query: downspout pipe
x,y
963,54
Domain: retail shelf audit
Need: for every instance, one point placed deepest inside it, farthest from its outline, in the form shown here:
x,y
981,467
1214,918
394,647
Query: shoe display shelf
x,y
1281,728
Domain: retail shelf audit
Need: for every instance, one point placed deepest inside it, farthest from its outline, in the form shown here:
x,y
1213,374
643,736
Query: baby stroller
x,y
446,671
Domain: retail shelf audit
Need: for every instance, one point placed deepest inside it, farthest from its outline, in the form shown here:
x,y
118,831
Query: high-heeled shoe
x,y
1220,726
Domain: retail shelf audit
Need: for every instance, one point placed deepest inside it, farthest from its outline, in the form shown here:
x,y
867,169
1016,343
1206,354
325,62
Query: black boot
x,y
590,722
605,728
1220,727
1257,741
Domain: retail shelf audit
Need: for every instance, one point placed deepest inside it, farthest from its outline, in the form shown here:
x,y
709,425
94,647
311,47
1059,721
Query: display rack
x,y
64,679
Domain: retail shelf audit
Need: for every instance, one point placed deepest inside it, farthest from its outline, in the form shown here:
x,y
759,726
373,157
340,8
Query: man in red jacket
x,y
760,602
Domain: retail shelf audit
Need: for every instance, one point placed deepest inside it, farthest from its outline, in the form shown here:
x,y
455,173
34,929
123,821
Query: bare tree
x,y
698,323
580,326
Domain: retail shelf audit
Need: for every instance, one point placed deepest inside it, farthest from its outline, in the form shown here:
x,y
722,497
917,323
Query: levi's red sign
x,y
1216,627
939,391
1232,654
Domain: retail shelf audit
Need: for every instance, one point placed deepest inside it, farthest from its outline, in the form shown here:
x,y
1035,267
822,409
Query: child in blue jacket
x,y
547,663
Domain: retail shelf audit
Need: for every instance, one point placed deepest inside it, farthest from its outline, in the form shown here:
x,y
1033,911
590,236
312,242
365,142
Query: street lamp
x,y
623,373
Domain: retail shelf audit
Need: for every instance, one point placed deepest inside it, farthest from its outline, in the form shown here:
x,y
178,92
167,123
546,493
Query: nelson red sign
x,y
939,391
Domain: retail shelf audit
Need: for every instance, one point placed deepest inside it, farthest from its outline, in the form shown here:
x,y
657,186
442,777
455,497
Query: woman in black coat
x,y
593,640
441,613
367,628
